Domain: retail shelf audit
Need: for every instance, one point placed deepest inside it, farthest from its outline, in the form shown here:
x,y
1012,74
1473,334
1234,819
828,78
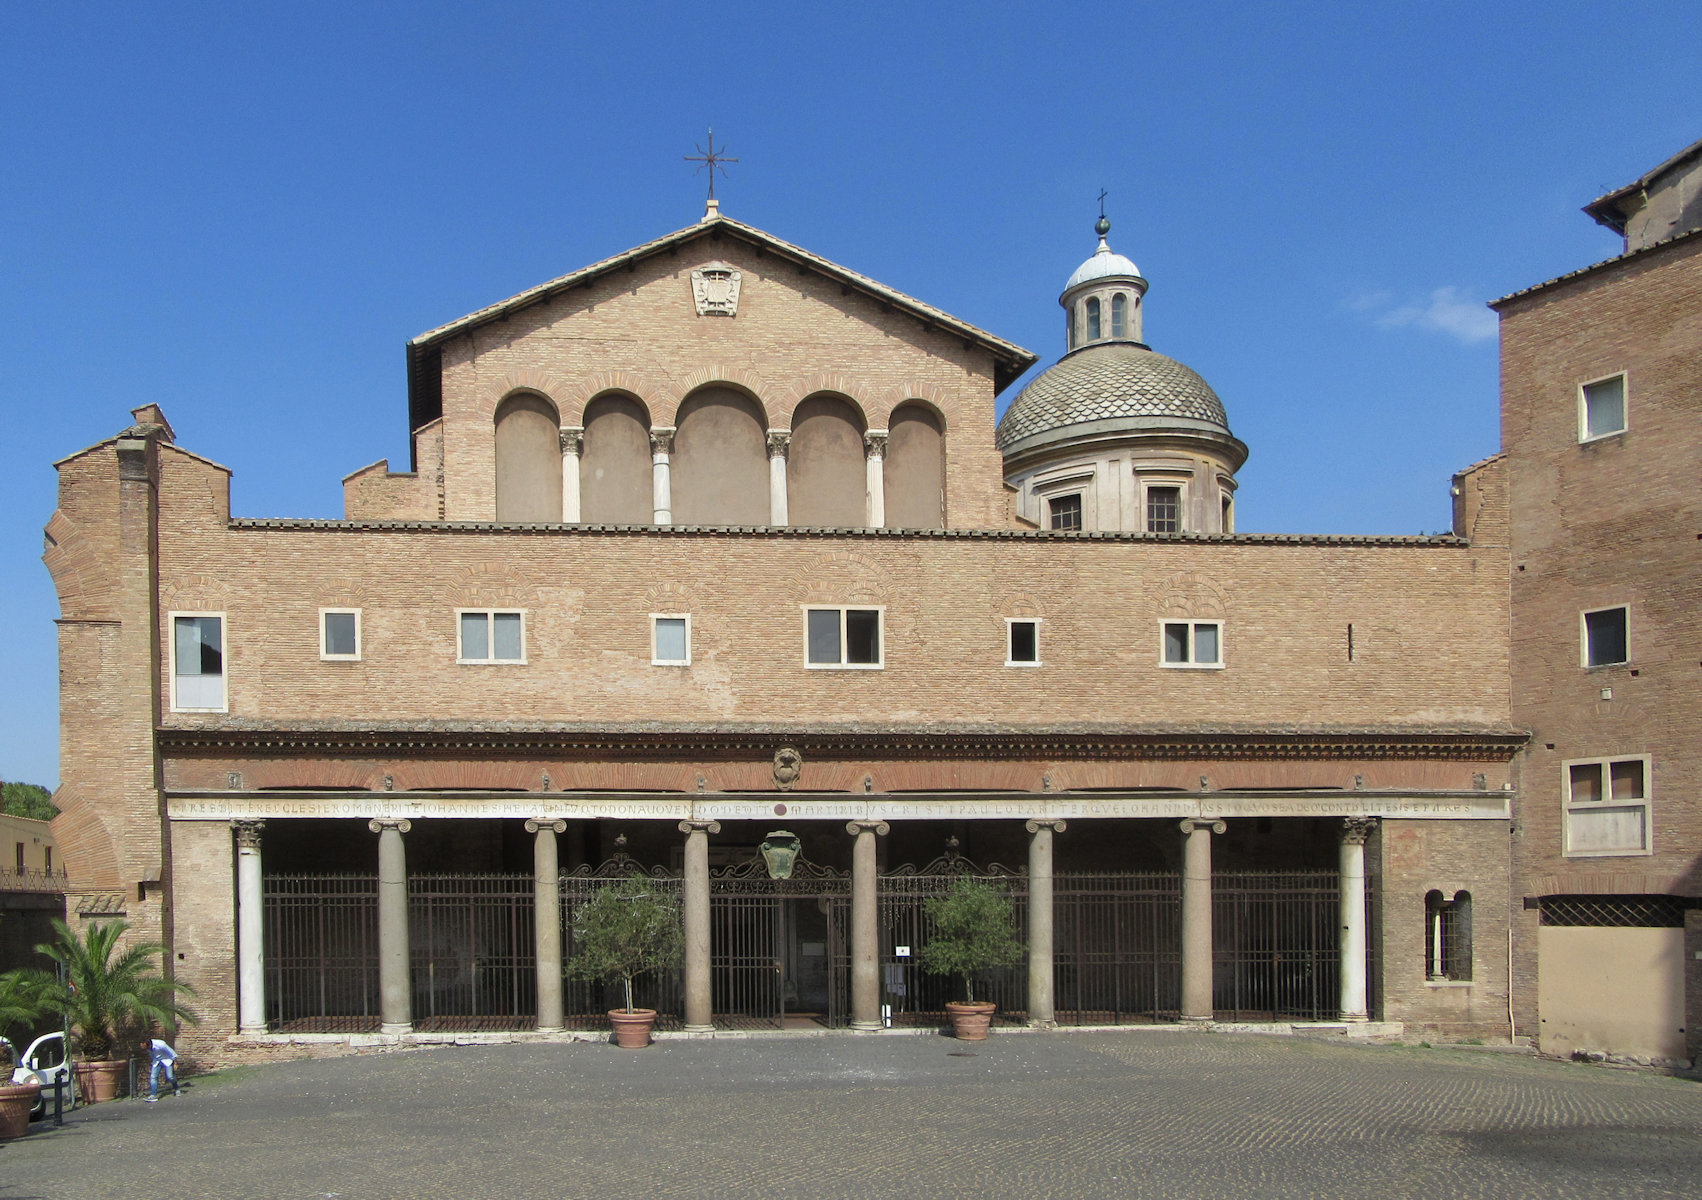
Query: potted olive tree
x,y
974,931
626,930
107,994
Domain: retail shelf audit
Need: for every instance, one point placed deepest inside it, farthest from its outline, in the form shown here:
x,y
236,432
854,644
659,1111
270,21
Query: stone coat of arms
x,y
715,286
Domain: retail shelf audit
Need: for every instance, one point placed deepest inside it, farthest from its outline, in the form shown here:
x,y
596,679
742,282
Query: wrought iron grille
x,y
471,946
779,948
912,996
586,1002
1627,912
321,952
1117,947
1276,949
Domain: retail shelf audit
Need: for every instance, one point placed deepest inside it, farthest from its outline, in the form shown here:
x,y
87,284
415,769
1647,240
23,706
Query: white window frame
x,y
656,660
490,627
1192,625
224,659
1584,434
1150,480
325,655
1584,636
880,632
1607,803
1011,621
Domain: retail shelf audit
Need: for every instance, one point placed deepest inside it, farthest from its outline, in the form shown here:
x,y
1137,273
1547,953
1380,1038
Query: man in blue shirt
x,y
164,1057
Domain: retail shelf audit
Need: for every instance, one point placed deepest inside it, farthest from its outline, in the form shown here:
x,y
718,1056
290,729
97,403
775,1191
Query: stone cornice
x,y
697,744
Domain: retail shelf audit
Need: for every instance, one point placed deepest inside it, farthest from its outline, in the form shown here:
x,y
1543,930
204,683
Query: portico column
x,y
546,920
661,486
1041,1013
1196,919
700,1016
779,444
572,441
250,929
874,444
865,925
1354,832
395,990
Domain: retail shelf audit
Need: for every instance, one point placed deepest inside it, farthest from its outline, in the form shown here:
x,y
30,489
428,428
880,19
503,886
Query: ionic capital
x,y
690,827
1356,829
399,824
779,443
572,440
874,443
878,828
1056,825
247,834
534,824
1212,825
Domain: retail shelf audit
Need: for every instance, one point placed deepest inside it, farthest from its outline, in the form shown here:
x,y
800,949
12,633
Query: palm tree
x,y
105,991
20,1007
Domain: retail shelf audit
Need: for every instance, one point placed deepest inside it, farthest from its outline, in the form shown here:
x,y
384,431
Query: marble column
x,y
546,920
250,929
1040,985
874,446
572,443
1353,993
661,485
395,986
779,445
1196,919
865,925
700,1016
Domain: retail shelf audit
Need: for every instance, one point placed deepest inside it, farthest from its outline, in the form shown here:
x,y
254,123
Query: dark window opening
x,y
1066,512
1164,510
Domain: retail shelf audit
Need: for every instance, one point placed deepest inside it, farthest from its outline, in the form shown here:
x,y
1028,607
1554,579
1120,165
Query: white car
x,y
42,1063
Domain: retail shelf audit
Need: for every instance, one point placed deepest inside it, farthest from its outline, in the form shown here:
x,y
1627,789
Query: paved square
x,y
1127,1114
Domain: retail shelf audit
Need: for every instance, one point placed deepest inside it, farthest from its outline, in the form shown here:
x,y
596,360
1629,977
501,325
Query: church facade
x,y
716,546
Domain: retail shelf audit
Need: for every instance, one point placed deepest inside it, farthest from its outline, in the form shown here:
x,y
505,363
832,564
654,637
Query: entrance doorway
x,y
779,949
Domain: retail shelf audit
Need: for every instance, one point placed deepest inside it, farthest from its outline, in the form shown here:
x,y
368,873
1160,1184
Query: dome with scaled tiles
x,y
1122,382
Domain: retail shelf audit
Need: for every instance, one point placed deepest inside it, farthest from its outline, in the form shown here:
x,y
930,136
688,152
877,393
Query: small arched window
x,y
1070,328
1093,319
1119,315
1448,937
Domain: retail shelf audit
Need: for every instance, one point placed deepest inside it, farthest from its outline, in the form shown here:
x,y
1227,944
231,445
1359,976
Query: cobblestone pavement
x,y
1125,1114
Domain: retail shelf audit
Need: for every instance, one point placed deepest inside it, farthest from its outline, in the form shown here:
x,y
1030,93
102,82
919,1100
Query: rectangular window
x,y
1607,638
1022,643
843,637
20,858
198,662
1193,643
492,636
339,633
670,640
1164,510
1602,408
1065,511
1607,806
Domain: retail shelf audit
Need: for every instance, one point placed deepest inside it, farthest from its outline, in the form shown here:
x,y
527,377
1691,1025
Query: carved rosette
x,y
247,834
1356,829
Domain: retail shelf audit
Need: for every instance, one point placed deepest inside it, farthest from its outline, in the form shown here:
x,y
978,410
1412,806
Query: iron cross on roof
x,y
711,160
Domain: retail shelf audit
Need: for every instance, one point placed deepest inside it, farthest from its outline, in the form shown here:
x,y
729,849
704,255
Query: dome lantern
x,y
1102,298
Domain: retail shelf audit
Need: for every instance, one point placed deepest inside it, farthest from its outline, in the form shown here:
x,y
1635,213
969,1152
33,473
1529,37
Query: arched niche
x,y
826,479
720,462
528,459
915,469
614,463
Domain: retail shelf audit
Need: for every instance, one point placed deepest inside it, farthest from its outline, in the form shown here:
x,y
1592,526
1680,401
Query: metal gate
x,y
472,951
912,996
1117,947
586,1002
1275,945
779,948
321,953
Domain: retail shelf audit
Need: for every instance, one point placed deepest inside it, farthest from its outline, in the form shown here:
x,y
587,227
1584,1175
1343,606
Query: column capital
x,y
878,828
572,439
779,443
1209,824
662,440
534,824
1055,824
1356,829
247,834
399,824
874,443
700,827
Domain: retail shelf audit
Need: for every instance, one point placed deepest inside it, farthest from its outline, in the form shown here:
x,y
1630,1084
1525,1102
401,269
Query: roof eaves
x,y
1603,209
1582,271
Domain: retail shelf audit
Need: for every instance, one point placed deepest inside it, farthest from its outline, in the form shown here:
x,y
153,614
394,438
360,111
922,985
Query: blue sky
x,y
242,214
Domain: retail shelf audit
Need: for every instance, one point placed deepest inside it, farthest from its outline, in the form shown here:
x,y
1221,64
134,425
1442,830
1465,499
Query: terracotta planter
x,y
99,1080
632,1029
16,1100
970,1022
